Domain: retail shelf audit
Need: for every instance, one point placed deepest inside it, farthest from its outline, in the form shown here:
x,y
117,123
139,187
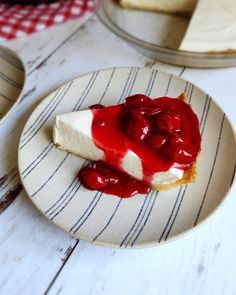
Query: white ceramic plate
x,y
12,78
50,175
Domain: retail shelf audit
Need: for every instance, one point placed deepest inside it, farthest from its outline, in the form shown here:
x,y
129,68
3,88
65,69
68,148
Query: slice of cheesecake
x,y
212,27
169,6
156,142
72,132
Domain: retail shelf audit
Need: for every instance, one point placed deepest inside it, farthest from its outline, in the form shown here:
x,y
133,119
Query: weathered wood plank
x,y
32,249
201,263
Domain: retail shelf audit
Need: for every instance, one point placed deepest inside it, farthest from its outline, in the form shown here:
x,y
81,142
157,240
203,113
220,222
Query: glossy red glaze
x,y
113,182
97,106
167,123
137,126
162,132
156,141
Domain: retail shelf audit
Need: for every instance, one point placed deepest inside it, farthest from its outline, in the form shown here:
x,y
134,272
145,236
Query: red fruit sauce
x,y
163,132
99,176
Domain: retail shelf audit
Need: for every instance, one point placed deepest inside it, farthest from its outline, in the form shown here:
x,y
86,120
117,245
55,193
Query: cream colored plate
x,y
50,175
12,78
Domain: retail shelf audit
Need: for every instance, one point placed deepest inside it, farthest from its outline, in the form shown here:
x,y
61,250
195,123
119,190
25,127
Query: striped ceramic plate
x,y
12,78
50,175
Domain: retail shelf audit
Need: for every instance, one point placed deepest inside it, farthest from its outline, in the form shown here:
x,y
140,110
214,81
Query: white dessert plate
x,y
12,78
50,175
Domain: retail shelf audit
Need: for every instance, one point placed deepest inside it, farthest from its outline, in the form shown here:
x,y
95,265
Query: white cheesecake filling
x,y
72,133
167,177
132,164
212,27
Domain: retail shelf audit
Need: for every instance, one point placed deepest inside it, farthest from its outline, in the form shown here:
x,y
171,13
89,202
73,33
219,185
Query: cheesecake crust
x,y
188,177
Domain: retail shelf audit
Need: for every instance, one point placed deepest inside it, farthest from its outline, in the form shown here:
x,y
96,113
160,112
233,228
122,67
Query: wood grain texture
x,y
187,266
10,196
36,257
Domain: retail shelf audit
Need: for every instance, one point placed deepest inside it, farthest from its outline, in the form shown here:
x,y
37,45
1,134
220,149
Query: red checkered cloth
x,y
18,20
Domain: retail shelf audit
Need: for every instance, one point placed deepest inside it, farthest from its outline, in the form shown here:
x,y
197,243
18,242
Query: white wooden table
x,y
38,258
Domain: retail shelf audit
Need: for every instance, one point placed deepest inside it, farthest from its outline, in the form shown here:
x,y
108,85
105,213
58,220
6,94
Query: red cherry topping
x,y
167,123
178,139
99,176
176,122
139,112
183,154
100,124
137,127
92,180
97,106
152,111
156,141
181,150
138,100
162,132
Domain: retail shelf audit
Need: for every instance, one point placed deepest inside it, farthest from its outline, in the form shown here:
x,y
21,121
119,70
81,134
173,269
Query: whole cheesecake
x,y
212,28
